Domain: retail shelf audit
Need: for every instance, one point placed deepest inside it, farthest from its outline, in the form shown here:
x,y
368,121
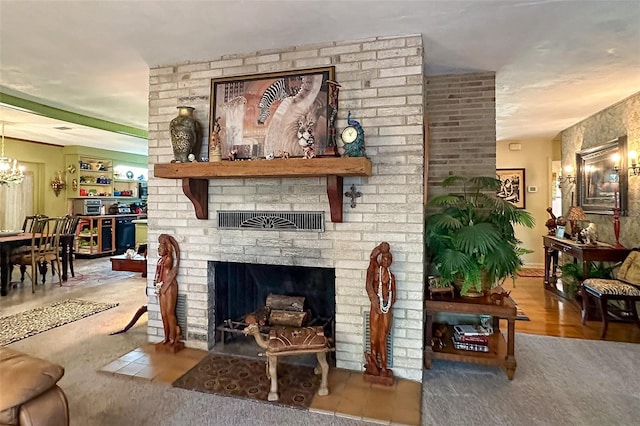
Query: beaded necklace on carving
x,y
157,281
384,307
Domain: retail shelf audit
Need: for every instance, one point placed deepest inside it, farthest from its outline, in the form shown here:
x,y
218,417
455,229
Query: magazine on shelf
x,y
477,347
471,330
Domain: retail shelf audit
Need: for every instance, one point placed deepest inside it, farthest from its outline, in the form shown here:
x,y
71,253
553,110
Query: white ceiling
x,y
556,62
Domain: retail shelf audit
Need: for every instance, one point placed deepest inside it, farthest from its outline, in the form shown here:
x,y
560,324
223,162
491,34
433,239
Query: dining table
x,y
7,243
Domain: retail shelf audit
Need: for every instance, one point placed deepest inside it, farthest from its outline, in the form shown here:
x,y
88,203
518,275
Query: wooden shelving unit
x,y
195,176
501,347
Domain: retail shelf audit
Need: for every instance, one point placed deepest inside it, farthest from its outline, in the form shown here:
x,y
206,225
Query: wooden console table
x,y
501,351
137,263
583,253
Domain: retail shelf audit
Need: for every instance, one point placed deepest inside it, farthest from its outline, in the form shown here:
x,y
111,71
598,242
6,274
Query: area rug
x,y
28,323
520,315
531,272
246,378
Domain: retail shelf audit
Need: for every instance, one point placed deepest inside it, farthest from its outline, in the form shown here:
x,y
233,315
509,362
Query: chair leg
x,y
73,275
585,305
605,316
23,269
34,272
59,270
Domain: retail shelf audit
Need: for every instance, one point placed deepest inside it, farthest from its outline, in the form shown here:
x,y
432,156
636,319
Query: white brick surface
x,y
383,85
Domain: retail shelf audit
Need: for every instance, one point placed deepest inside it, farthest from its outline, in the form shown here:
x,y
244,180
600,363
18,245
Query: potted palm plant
x,y
470,239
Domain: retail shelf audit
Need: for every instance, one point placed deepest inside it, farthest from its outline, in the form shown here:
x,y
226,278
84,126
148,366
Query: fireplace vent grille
x,y
275,221
367,340
181,314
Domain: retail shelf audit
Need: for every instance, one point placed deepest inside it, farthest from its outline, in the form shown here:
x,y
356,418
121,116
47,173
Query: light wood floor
x,y
551,315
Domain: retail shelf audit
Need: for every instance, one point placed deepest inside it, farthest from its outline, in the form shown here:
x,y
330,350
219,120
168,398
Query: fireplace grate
x,y
276,221
367,340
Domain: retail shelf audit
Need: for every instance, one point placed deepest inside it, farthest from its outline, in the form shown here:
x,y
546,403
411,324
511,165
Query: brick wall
x,y
382,84
462,127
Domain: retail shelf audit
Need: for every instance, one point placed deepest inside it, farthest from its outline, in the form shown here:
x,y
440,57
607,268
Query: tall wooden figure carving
x,y
381,289
167,291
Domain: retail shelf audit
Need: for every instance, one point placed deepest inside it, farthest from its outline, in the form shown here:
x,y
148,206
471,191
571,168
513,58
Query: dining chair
x,y
27,226
45,248
68,230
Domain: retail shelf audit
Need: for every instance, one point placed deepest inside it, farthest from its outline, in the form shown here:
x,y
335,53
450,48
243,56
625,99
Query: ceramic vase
x,y
184,134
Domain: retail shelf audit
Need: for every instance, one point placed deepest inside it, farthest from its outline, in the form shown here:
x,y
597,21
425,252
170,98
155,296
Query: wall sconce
x,y
634,169
616,162
57,184
569,178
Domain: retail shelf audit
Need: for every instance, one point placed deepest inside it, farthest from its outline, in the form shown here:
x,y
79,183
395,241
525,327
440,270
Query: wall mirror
x,y
601,185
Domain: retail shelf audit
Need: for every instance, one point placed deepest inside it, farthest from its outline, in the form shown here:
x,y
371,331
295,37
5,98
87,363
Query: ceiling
x,y
556,62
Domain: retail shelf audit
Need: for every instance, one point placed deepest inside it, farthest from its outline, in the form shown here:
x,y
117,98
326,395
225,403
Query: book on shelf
x,y
482,339
471,330
476,347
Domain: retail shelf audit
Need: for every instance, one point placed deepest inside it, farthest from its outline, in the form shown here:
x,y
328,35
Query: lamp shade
x,y
576,213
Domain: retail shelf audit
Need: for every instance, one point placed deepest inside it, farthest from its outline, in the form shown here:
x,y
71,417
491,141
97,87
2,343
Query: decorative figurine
x,y
167,291
332,146
590,234
233,155
353,138
306,139
498,297
381,289
551,222
214,142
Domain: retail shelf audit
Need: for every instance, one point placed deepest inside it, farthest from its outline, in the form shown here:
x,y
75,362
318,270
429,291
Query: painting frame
x,y
513,185
601,178
262,115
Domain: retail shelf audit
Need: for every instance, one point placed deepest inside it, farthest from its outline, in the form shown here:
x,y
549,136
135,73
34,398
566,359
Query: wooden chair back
x,y
30,221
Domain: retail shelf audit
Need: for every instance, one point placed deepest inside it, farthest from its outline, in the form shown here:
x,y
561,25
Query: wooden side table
x,y
501,350
137,263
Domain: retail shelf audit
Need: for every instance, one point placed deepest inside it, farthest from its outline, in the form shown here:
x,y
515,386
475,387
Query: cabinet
x,y
89,176
95,236
501,351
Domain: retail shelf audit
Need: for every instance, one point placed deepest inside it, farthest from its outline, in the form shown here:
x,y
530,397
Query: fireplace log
x,y
289,318
259,317
285,303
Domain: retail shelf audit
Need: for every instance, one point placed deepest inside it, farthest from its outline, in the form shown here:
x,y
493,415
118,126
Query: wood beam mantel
x,y
195,176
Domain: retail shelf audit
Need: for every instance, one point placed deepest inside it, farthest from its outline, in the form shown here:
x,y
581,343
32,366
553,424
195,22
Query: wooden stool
x,y
293,341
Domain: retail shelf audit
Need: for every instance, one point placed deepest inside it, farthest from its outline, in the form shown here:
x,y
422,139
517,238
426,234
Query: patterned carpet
x,y
531,272
28,323
246,378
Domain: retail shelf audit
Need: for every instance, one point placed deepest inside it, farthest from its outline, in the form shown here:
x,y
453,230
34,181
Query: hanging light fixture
x,y
9,170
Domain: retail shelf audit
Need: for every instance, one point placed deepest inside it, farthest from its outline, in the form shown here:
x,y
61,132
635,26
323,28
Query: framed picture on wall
x,y
266,114
601,185
512,187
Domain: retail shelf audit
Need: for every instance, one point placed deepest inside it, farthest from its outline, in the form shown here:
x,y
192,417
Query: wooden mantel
x,y
195,176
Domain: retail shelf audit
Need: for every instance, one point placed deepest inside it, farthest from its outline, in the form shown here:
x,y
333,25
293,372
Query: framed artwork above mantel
x,y
602,181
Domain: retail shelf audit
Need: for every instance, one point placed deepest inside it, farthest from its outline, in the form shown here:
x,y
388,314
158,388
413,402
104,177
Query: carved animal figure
x,y
305,137
498,298
355,148
277,91
551,222
292,341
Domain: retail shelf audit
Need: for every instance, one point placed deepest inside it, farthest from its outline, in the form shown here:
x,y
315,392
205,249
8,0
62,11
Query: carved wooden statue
x,y
381,289
167,291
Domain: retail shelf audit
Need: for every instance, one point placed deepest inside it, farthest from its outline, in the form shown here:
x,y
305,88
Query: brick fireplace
x,y
383,85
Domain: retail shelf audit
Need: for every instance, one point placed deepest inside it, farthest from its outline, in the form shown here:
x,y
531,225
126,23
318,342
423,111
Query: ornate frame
x,y
261,114
600,177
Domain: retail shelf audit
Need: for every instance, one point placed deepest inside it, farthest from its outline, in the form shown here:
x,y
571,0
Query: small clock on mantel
x,y
353,138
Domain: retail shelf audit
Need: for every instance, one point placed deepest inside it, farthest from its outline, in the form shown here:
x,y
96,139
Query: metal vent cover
x,y
367,340
181,314
271,220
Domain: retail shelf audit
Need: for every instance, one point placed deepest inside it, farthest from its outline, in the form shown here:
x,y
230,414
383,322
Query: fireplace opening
x,y
243,288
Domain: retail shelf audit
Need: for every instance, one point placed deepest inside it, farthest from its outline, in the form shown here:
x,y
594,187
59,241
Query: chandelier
x,y
9,170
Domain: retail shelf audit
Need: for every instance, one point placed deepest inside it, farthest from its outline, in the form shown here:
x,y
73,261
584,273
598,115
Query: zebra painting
x,y
277,91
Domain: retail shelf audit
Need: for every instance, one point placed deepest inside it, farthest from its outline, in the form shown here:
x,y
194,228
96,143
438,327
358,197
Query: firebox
x,y
242,288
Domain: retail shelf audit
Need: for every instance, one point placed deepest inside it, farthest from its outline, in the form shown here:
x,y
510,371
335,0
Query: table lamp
x,y
576,214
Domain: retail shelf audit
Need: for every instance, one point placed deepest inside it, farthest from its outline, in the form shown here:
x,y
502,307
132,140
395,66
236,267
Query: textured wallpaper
x,y
617,120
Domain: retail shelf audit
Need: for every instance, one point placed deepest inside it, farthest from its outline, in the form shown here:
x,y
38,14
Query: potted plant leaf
x,y
573,275
470,239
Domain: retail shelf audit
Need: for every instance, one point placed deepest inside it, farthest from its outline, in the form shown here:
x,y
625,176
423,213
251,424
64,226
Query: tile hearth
x,y
349,395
